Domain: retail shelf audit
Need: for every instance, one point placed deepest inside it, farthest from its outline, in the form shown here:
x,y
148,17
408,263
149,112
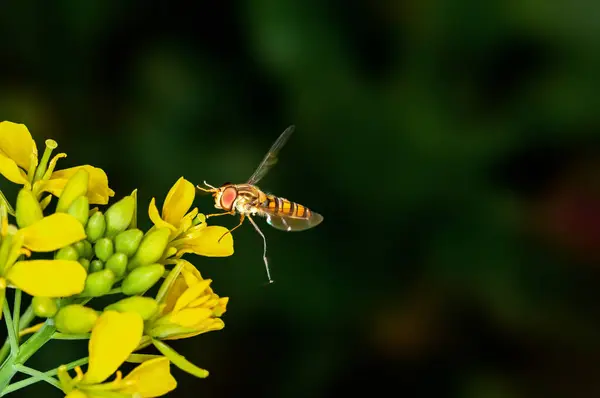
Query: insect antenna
x,y
264,249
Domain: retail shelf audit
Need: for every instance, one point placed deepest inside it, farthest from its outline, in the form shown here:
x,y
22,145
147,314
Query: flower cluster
x,y
65,253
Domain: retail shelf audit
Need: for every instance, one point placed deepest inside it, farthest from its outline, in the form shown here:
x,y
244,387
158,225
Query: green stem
x,y
65,336
28,348
38,375
32,380
26,319
17,312
12,337
69,366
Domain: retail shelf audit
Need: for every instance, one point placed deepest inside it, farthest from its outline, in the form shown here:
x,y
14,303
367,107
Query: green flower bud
x,y
142,278
44,307
96,265
117,263
127,242
75,319
80,209
85,263
76,186
151,248
104,248
95,227
67,253
98,283
88,250
144,306
28,208
118,216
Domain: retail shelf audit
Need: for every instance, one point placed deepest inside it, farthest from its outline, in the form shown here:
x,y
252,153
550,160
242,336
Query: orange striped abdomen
x,y
283,207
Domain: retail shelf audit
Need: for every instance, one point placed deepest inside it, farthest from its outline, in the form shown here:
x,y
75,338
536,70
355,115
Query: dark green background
x,y
452,148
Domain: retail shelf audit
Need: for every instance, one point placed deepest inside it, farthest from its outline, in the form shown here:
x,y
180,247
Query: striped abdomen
x,y
284,208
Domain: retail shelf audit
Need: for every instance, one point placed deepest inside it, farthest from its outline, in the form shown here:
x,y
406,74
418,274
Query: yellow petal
x,y
210,325
10,170
155,217
191,294
206,242
16,142
48,278
113,339
178,201
151,379
52,232
98,189
189,317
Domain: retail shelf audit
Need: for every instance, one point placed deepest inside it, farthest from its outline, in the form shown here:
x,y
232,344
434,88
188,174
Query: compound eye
x,y
228,197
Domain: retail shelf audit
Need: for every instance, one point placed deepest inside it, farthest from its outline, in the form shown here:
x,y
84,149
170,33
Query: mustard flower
x,y
114,337
47,278
189,307
19,163
189,232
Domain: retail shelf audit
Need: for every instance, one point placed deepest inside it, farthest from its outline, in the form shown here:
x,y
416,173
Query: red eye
x,y
228,197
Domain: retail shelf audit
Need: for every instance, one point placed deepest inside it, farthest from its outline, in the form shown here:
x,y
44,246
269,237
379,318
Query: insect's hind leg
x,y
264,248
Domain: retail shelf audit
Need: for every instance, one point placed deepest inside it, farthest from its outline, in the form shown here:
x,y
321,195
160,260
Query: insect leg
x,y
220,214
242,216
264,249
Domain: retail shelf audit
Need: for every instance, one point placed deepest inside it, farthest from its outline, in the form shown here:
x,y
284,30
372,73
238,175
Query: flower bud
x,y
96,265
67,253
76,186
84,248
104,248
144,306
80,209
44,307
117,263
95,226
85,263
151,248
75,319
28,208
119,215
98,283
127,242
142,278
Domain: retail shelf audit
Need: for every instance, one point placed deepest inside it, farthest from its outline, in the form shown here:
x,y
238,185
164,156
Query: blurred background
x,y
452,147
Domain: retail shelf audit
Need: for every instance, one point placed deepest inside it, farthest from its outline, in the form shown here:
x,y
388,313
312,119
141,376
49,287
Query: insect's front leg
x,y
231,212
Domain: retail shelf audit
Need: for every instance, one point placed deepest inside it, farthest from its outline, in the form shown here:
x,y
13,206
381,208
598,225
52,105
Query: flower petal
x,y
205,242
178,201
188,317
152,379
113,339
10,170
155,217
192,293
48,278
98,189
210,325
16,142
52,232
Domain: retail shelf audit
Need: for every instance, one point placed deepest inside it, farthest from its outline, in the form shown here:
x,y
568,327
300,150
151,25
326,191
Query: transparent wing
x,y
271,156
294,224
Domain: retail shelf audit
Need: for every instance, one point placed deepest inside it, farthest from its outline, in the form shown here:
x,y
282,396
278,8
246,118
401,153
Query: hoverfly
x,y
248,200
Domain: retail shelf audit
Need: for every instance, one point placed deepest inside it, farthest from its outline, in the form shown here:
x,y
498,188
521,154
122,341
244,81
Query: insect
x,y
248,200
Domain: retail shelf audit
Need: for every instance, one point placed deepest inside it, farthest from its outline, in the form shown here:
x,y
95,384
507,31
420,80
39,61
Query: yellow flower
x,y
46,278
189,232
188,308
19,163
152,378
114,337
